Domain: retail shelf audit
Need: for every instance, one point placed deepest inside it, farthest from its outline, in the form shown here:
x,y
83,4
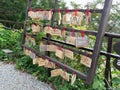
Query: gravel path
x,y
11,79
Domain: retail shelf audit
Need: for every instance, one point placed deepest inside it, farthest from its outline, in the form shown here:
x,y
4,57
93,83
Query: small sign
x,y
65,75
73,79
86,61
35,28
69,54
48,29
31,14
56,32
47,15
43,48
59,53
66,18
51,48
70,40
76,19
30,41
41,62
56,72
49,65
82,42
35,60
32,55
116,63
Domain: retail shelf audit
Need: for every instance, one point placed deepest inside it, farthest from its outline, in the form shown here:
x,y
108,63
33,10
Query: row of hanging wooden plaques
x,y
74,18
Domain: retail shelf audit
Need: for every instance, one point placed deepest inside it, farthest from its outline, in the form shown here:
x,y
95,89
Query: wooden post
x,y
99,39
26,18
49,36
108,76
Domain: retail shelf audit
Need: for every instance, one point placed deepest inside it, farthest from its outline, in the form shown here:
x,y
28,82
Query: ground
x,y
12,79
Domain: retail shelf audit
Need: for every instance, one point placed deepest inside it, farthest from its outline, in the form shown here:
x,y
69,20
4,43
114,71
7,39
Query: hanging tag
x,y
76,12
35,28
35,60
70,40
63,32
43,47
51,48
30,41
73,79
85,60
56,32
49,64
56,72
59,53
30,13
77,18
69,54
41,62
88,16
50,14
65,75
59,17
46,63
66,17
32,55
28,52
39,15
46,15
82,42
34,15
48,29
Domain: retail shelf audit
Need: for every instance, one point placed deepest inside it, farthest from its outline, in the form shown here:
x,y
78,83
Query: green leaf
x,y
116,80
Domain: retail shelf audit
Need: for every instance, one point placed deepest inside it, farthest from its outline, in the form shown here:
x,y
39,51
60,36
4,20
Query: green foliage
x,y
13,10
11,40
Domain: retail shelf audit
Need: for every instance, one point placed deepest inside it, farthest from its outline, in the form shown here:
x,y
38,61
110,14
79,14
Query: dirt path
x,y
11,79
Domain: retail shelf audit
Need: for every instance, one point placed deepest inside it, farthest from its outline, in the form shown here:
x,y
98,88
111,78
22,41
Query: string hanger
x,y
30,9
60,48
43,57
56,66
59,11
73,73
87,13
64,29
55,28
73,33
67,10
82,33
65,69
76,12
